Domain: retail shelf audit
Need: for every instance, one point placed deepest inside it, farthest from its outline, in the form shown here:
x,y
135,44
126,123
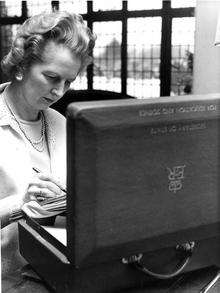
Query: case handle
x,y
186,248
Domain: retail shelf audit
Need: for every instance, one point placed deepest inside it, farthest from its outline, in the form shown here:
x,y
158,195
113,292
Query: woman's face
x,y
45,83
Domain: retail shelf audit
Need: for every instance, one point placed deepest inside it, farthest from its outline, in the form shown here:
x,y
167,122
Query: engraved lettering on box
x,y
176,176
190,109
212,107
156,111
160,111
166,129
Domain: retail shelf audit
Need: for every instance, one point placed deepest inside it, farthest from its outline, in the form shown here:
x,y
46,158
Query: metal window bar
x,y
165,65
124,52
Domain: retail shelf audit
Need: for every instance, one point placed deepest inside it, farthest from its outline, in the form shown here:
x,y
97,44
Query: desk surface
x,y
187,283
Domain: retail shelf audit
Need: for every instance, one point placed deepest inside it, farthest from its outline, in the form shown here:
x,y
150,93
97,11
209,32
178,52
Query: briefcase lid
x,y
141,175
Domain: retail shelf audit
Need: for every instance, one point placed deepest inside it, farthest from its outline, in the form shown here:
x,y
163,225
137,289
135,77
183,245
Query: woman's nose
x,y
58,91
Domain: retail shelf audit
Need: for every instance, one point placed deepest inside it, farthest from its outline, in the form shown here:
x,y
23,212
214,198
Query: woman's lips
x,y
48,100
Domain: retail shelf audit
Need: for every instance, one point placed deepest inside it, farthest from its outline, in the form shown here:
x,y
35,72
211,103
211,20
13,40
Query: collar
x,y
5,116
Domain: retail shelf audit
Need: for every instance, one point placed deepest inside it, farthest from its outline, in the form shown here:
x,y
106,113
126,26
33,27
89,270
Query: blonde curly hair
x,y
32,36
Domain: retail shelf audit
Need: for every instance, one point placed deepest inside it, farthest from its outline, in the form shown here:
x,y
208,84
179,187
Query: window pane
x,y
10,8
144,57
107,56
143,5
182,55
36,7
76,6
183,3
80,83
107,5
8,33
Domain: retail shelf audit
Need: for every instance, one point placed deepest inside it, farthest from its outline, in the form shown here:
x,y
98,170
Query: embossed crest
x,y
176,176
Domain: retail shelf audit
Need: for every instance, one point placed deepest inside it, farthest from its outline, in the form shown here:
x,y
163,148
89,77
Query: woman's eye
x,y
53,78
67,83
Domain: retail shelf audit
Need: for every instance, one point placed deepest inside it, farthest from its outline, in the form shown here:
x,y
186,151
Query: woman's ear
x,y
19,76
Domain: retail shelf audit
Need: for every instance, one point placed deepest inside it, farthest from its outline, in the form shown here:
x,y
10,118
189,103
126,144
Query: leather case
x,y
142,182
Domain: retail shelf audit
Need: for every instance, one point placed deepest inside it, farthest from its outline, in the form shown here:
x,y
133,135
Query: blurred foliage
x,y
182,75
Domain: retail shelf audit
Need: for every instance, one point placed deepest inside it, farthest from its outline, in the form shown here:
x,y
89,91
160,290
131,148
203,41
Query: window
x,y
144,56
182,55
183,3
12,8
107,56
36,7
144,48
7,33
144,5
76,6
99,5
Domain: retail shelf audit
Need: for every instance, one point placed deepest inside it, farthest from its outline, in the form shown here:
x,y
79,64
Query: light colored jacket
x,y
16,171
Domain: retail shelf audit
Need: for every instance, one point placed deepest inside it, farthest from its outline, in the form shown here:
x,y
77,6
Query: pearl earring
x,y
19,76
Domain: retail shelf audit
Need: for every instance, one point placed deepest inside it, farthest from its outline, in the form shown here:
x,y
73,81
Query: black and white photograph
x,y
110,146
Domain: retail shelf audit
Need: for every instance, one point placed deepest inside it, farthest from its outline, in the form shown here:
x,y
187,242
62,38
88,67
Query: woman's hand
x,y
43,186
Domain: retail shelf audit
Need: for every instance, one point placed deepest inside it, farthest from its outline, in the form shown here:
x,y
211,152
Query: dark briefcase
x,y
142,195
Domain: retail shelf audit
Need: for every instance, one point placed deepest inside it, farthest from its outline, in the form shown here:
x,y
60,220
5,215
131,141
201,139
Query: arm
x,y
42,187
10,195
8,205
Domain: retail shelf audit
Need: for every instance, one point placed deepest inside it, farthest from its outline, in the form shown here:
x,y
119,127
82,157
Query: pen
x,y
38,171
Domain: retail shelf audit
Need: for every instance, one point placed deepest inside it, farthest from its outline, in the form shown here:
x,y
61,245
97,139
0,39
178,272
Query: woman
x,y
48,53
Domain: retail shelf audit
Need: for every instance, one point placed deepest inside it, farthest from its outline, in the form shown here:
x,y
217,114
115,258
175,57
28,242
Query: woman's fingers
x,y
46,184
50,178
39,194
43,186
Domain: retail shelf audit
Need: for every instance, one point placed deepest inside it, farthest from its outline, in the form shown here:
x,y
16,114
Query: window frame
x,y
167,13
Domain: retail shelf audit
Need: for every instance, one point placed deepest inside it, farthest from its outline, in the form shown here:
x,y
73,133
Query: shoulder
x,y
55,117
55,114
55,121
3,86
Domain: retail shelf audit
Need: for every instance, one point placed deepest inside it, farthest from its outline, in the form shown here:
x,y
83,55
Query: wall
x,y
207,56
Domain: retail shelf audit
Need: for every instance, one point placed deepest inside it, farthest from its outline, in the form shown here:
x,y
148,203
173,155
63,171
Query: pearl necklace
x,y
36,144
